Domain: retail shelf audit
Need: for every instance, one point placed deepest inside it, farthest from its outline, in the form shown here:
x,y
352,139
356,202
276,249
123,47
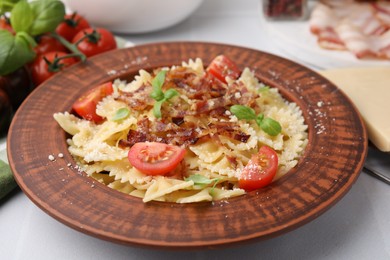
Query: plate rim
x,y
177,244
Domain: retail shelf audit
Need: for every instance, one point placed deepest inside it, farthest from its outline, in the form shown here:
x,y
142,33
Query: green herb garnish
x,y
158,95
268,125
120,114
29,19
263,89
201,180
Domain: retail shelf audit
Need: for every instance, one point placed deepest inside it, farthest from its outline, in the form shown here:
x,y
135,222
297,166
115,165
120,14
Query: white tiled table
x,y
358,227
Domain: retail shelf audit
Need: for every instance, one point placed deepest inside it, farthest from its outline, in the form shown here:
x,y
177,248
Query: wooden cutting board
x,y
369,89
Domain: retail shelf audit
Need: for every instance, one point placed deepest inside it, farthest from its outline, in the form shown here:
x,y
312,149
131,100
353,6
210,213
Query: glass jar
x,y
285,9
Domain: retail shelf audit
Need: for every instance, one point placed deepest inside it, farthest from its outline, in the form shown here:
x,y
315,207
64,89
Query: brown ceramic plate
x,y
331,163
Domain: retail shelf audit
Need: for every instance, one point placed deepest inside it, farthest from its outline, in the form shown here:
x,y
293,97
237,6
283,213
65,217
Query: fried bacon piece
x,y
181,124
139,99
185,134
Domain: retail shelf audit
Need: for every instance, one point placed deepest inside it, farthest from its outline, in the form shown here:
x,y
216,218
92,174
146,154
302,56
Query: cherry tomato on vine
x,y
85,106
92,41
47,43
222,67
260,170
72,24
46,65
154,158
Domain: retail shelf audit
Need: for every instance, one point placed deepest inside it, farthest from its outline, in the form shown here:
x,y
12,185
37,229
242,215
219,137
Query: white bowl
x,y
133,16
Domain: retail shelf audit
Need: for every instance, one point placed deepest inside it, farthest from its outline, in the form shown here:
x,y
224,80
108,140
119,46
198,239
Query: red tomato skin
x,y
4,24
46,44
5,112
105,43
40,69
221,67
85,106
260,170
72,24
140,154
17,85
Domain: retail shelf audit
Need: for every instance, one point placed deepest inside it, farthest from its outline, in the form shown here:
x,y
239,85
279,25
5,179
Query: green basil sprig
x,y
28,19
201,180
158,95
268,125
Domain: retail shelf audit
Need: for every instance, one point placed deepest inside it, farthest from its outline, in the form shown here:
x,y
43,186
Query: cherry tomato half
x,y
72,24
260,170
46,44
42,69
222,67
85,106
92,41
153,158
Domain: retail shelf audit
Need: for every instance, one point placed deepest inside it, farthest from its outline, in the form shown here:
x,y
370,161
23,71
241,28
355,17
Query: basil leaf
x,y
121,113
158,81
259,119
157,108
243,112
7,5
157,95
170,93
271,126
15,51
263,89
22,16
48,15
199,179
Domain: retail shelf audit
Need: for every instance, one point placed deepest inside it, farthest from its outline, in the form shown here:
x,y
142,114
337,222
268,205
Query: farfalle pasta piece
x,y
162,186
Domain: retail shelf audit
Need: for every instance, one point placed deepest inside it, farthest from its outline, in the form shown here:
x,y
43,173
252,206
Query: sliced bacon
x,y
383,45
322,19
329,39
360,27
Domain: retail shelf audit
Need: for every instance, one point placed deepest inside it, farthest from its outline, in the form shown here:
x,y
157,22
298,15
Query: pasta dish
x,y
185,133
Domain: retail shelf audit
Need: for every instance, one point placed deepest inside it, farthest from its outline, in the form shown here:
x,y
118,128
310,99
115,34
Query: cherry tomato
x,y
42,69
222,67
92,41
6,25
5,112
72,24
85,106
17,85
46,44
153,158
260,170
